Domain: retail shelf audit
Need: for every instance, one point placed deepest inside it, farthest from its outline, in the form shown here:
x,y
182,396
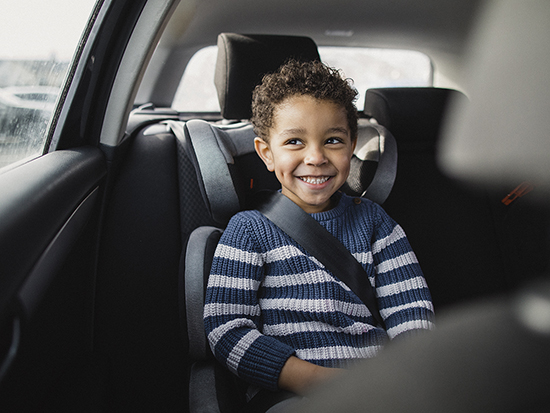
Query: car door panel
x,y
49,209
36,200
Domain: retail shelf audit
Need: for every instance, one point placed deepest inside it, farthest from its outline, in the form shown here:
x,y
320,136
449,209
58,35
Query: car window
x,y
38,41
369,68
372,68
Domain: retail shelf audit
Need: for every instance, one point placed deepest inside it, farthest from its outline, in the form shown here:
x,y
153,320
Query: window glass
x,y
196,91
38,40
367,67
372,68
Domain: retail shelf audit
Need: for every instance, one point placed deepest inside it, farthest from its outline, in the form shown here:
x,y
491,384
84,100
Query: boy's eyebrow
x,y
338,129
293,131
298,131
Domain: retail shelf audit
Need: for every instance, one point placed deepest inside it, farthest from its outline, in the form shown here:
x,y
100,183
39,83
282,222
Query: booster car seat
x,y
230,172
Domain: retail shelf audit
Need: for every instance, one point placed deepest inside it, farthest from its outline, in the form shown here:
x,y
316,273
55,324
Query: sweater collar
x,y
341,200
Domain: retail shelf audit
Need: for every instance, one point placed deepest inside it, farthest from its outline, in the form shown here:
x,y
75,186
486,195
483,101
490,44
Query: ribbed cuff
x,y
264,361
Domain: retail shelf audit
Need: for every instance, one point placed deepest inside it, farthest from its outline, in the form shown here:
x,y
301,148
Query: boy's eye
x,y
294,141
334,140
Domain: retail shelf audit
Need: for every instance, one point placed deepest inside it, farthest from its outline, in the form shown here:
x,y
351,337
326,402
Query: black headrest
x,y
410,113
243,60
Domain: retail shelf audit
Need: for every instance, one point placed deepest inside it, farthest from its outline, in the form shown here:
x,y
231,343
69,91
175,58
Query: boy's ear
x,y
264,152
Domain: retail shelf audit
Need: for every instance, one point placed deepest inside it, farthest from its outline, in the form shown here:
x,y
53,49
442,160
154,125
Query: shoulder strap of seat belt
x,y
321,244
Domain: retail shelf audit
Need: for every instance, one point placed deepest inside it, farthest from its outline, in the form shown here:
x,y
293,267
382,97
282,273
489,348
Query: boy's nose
x,y
315,156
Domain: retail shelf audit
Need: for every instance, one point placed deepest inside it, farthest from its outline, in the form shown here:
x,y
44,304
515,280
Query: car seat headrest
x,y
374,163
413,114
243,60
501,138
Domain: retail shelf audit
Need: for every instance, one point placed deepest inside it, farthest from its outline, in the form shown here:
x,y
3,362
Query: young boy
x,y
274,315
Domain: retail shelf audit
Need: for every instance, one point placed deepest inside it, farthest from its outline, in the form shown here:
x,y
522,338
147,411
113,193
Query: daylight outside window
x,y
368,68
38,41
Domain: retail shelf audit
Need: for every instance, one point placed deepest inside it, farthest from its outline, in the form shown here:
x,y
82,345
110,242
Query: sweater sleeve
x,y
403,296
232,310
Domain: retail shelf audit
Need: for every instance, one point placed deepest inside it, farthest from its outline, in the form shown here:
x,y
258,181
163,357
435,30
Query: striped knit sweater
x,y
267,299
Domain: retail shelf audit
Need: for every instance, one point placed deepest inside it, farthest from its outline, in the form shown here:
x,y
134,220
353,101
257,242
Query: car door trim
x,y
42,274
36,200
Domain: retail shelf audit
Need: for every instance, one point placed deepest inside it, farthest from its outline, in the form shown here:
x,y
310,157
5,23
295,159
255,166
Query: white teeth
x,y
316,181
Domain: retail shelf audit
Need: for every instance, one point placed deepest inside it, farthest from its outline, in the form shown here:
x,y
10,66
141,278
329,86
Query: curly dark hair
x,y
312,78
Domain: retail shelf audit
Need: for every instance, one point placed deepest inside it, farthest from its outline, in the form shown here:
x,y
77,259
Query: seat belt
x,y
321,244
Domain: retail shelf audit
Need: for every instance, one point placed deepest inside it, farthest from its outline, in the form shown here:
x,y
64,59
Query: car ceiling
x,y
430,24
437,28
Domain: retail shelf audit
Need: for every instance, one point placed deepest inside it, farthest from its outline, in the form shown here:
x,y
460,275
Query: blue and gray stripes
x,y
267,299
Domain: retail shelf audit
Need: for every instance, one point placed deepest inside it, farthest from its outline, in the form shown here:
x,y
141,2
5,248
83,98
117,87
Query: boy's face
x,y
309,150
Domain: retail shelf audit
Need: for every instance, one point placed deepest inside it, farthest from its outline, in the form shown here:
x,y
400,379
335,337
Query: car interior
x,y
107,238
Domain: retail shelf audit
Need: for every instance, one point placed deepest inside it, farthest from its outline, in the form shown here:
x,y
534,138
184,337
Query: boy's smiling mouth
x,y
316,180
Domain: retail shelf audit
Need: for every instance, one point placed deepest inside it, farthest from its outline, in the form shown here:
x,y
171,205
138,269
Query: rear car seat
x,y
461,236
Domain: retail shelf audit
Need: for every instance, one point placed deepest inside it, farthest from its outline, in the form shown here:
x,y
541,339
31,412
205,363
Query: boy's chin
x,y
312,206
308,200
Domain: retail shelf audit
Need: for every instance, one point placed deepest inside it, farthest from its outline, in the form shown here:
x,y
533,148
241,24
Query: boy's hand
x,y
299,376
